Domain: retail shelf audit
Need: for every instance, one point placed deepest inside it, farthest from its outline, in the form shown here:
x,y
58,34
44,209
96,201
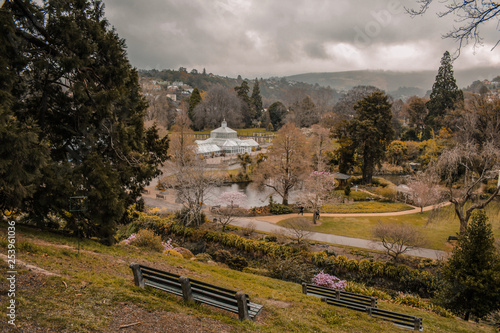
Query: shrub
x,y
237,263
271,238
203,257
185,253
326,280
222,256
146,239
295,268
279,209
347,190
173,253
389,193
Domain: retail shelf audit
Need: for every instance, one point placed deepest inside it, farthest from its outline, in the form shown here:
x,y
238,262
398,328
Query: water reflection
x,y
256,196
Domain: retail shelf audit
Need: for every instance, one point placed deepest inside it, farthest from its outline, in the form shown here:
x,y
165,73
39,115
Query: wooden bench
x,y
399,319
362,303
160,196
144,191
192,290
341,298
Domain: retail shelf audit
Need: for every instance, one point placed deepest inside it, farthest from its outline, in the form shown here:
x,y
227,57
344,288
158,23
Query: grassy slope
x,y
100,284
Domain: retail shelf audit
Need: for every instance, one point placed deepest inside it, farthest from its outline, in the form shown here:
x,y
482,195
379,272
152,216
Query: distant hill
x,y
392,81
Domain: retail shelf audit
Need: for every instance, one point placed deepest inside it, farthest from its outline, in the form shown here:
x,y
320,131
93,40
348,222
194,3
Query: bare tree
x,y
286,164
469,164
187,174
398,238
470,14
424,190
298,229
182,148
232,200
474,159
192,184
219,103
320,143
317,186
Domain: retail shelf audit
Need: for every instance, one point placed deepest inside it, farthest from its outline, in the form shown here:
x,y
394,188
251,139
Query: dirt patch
x,y
131,318
278,304
29,267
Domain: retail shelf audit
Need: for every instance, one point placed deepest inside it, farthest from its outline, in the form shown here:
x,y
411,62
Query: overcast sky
x,y
262,38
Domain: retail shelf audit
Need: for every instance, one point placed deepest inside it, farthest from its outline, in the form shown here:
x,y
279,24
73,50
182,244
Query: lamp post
x,y
76,205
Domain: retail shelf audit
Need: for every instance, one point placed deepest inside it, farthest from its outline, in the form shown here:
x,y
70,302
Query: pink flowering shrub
x,y
326,280
168,245
130,239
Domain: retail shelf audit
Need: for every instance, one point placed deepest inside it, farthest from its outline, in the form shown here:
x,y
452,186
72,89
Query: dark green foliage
x,y
347,190
237,263
278,209
247,107
194,100
372,131
82,92
473,271
344,156
256,100
444,96
277,112
22,155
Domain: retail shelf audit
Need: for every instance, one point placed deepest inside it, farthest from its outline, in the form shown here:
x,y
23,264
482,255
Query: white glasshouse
x,y
225,140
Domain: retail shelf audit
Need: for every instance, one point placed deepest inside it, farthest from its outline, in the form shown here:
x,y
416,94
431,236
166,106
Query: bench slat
x,y
202,292
346,304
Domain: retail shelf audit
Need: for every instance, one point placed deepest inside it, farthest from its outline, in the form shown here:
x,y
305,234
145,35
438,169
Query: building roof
x,y
208,148
341,176
223,129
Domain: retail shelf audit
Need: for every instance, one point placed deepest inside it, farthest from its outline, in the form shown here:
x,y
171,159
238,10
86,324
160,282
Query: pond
x,y
256,197
396,179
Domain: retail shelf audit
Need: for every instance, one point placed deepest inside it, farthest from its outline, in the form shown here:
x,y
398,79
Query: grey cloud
x,y
269,37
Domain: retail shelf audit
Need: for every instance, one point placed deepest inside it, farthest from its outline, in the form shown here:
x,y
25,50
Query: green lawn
x,y
441,224
365,207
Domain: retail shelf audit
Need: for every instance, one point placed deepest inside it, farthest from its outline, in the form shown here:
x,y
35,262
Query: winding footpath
x,y
268,224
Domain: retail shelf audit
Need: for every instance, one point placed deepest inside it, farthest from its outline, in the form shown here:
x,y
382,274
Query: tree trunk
x,y
467,316
285,197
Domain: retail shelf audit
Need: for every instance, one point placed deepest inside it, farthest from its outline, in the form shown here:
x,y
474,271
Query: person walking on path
x,y
301,211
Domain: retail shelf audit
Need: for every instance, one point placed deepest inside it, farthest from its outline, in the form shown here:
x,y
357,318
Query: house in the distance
x,y
224,140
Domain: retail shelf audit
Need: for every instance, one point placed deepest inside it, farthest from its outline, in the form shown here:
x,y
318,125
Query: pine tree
x,y
194,100
256,100
247,107
473,271
85,96
277,112
444,96
372,131
22,156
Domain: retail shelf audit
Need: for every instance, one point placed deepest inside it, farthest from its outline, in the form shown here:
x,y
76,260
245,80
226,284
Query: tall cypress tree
x,y
256,100
247,108
194,100
444,96
85,96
